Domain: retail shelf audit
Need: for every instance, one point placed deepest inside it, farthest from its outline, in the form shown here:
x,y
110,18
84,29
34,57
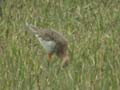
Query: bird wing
x,y
53,36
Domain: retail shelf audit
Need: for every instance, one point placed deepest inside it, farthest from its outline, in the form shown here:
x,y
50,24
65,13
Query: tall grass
x,y
92,29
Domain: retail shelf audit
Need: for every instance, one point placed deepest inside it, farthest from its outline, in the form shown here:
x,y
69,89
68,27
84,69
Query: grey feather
x,y
49,35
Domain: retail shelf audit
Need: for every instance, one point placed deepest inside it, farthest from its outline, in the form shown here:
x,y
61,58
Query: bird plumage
x,y
52,41
52,37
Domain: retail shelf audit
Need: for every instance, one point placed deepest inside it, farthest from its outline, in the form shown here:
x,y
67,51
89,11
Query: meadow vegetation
x,y
92,28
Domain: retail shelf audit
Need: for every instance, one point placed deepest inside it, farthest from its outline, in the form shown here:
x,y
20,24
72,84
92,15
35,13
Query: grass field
x,y
92,28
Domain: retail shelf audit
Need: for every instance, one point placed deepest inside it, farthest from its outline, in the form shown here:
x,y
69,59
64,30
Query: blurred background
x,y
92,28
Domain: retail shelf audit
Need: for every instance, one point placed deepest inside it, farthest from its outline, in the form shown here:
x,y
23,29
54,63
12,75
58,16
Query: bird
x,y
52,41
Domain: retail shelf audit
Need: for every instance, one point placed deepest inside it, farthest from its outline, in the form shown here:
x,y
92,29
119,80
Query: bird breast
x,y
49,46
